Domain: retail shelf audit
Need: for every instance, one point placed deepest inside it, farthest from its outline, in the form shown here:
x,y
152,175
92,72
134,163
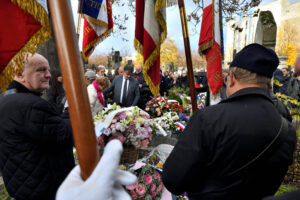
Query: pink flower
x,y
153,194
132,187
145,143
101,142
140,190
114,121
133,194
148,179
156,175
118,137
152,188
159,188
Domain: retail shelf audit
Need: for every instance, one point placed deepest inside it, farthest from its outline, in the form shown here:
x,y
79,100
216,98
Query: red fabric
x,y
206,33
214,68
213,54
139,20
89,35
149,47
17,27
99,93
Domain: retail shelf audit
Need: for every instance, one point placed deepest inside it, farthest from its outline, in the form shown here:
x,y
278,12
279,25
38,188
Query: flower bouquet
x,y
167,123
155,106
101,116
131,126
149,185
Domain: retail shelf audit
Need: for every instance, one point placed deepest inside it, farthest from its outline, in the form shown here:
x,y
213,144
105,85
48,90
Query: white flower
x,y
137,125
122,129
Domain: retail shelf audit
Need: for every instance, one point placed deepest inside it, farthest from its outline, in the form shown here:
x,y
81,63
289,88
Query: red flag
x,y
210,44
23,28
97,26
150,32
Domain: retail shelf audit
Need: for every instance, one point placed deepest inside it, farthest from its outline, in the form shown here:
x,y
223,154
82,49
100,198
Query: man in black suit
x,y
126,88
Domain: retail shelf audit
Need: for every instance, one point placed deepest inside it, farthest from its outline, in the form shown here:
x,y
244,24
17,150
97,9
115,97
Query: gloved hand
x,y
105,183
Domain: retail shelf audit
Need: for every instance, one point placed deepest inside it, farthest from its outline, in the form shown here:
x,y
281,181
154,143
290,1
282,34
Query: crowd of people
x,y
238,149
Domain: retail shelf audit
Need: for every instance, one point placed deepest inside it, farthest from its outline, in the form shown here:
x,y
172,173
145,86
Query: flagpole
x,y
76,91
188,53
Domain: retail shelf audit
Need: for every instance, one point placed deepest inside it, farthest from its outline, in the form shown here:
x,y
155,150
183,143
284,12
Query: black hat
x,y
258,59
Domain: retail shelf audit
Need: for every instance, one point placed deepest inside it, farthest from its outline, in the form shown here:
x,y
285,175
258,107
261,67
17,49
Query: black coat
x,y
145,93
35,145
222,138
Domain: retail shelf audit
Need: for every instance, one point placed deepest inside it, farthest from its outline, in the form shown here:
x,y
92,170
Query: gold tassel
x,y
41,36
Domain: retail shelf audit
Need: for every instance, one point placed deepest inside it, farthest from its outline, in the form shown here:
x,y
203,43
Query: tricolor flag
x,y
181,125
24,26
98,24
210,43
150,32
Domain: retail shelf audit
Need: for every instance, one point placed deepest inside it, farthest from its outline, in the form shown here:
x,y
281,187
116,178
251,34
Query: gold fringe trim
x,y
205,46
91,46
160,4
17,63
138,46
147,65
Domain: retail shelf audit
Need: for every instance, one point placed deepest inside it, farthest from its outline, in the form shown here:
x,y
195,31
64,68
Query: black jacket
x,y
145,93
35,145
222,138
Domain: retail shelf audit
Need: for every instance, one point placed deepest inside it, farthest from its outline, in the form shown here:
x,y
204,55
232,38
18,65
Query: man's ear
x,y
19,75
232,80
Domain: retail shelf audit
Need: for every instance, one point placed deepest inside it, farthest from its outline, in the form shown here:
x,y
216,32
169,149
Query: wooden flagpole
x,y
187,48
74,82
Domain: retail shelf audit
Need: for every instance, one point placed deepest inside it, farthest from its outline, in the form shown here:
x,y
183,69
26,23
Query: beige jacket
x,y
96,106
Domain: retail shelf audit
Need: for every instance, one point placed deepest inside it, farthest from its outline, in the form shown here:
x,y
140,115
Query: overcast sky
x,y
173,26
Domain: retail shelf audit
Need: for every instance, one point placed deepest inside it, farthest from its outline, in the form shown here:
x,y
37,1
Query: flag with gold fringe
x,y
24,26
210,43
98,24
150,32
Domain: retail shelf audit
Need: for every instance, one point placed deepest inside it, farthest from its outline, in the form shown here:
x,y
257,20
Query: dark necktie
x,y
124,93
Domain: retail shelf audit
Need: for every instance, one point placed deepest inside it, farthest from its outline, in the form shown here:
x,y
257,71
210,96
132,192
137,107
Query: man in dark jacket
x,y
240,148
145,94
35,141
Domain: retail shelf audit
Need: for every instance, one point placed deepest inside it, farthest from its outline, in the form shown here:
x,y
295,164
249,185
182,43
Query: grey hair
x,y
246,76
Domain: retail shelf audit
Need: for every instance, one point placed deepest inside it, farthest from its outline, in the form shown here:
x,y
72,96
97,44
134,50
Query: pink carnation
x,y
145,143
133,194
148,179
132,187
152,188
156,175
153,194
140,190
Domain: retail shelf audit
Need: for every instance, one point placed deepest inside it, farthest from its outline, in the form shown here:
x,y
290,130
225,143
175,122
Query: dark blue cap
x,y
258,59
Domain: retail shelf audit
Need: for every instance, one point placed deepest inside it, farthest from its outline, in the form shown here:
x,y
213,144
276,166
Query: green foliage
x,y
4,194
178,94
285,188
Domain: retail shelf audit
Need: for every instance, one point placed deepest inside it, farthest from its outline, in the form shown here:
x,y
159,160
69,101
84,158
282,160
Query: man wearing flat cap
x,y
240,148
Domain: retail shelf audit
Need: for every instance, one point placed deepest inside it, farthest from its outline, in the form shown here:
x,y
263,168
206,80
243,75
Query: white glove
x,y
105,183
